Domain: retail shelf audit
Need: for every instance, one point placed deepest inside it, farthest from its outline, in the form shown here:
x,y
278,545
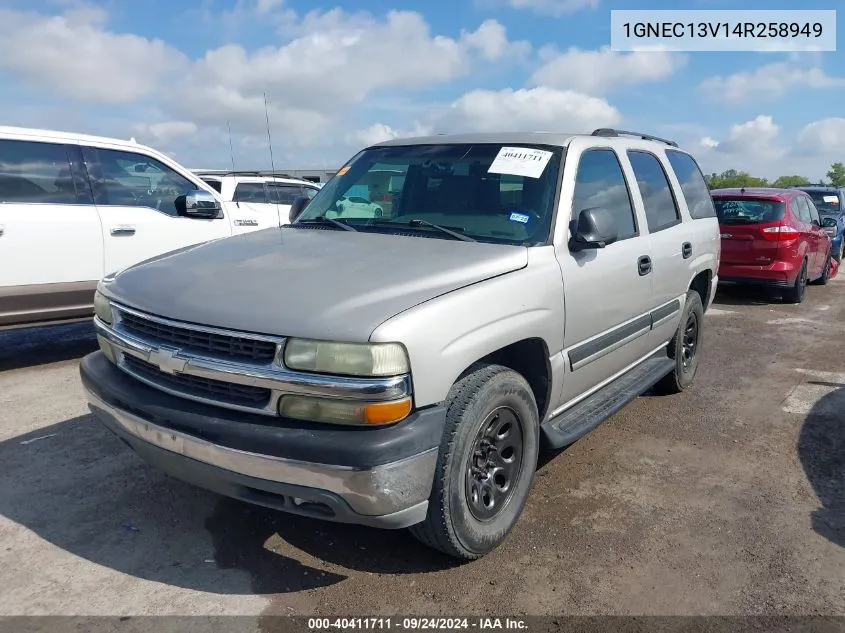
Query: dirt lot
x,y
727,499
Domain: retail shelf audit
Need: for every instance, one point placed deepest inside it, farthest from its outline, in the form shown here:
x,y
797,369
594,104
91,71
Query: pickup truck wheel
x,y
684,347
486,463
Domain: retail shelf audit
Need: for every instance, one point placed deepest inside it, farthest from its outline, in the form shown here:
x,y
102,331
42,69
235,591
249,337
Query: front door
x,y
135,196
608,291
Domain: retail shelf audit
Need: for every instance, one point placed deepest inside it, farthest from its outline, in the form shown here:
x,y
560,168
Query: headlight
x,y
102,307
343,411
353,359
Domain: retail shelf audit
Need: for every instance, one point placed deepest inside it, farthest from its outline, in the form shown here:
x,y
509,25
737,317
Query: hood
x,y
308,283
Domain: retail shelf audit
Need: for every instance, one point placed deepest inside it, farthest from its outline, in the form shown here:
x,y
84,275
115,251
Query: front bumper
x,y
378,477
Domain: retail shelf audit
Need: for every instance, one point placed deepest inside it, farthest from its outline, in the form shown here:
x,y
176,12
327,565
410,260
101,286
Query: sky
x,y
341,74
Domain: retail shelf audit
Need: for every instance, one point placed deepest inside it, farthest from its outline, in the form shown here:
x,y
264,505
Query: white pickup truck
x,y
74,208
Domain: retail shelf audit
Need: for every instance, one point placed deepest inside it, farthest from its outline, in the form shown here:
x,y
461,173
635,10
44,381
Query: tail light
x,y
780,233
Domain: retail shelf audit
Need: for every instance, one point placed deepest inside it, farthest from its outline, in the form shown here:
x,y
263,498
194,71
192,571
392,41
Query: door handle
x,y
123,229
644,265
686,250
2,230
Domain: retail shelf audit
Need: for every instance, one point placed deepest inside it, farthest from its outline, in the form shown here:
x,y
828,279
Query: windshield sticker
x,y
519,217
520,161
831,199
343,170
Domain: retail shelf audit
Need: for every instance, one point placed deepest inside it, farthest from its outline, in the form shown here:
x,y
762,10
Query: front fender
x,y
445,335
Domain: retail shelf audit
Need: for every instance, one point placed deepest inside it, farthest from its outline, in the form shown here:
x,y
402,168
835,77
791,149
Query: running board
x,y
580,419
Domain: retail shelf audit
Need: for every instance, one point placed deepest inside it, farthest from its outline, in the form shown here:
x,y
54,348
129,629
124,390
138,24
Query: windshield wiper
x,y
321,219
418,222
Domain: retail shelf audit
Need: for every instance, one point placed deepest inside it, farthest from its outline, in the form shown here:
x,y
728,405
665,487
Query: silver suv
x,y
406,370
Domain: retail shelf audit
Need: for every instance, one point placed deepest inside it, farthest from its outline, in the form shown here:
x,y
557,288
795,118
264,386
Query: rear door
x,y
821,238
810,235
51,246
138,213
748,228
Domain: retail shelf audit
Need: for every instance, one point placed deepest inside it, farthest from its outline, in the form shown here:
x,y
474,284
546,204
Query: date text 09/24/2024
x,y
416,624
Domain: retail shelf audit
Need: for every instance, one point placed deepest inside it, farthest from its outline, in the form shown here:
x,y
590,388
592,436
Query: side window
x,y
600,182
814,213
695,189
128,179
250,192
214,184
37,173
804,210
285,194
660,208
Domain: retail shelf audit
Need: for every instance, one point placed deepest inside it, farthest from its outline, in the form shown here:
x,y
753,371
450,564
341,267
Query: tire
x,y
460,523
683,349
822,281
798,290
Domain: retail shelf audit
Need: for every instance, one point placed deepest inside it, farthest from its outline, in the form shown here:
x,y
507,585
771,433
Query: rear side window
x,y
285,194
748,210
601,183
814,213
803,210
659,201
695,189
37,173
214,184
250,192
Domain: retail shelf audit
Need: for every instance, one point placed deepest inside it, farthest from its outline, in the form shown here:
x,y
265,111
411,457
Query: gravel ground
x,y
727,499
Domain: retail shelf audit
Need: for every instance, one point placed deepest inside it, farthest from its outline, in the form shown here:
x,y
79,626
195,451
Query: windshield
x,y
748,210
488,192
825,201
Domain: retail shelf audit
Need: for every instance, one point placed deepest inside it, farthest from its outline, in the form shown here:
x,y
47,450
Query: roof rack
x,y
213,172
610,132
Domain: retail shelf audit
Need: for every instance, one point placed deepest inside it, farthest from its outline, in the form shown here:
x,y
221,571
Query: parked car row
x,y
780,239
398,350
74,208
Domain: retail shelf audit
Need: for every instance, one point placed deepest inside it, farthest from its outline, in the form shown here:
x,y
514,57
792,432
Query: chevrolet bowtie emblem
x,y
167,361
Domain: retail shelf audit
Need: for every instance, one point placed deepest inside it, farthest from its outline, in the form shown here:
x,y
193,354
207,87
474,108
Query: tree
x,y
733,178
785,182
836,175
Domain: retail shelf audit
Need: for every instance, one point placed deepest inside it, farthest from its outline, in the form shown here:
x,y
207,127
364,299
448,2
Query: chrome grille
x,y
223,392
208,343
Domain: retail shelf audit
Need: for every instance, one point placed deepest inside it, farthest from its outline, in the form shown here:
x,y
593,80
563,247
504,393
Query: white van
x,y
74,208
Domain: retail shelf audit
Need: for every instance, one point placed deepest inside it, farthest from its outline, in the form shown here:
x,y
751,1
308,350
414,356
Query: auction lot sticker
x,y
520,161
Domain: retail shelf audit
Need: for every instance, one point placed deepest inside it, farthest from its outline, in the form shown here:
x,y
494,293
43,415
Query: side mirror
x,y
198,204
595,228
298,207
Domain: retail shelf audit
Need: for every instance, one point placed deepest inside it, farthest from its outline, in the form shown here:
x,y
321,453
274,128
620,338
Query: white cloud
x,y
554,8
166,132
75,56
757,137
535,109
379,132
768,82
759,147
826,137
491,40
602,71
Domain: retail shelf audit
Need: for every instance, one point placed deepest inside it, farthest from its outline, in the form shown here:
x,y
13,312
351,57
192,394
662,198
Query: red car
x,y
772,238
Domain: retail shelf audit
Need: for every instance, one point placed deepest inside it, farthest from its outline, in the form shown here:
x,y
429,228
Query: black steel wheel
x,y
684,347
494,464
